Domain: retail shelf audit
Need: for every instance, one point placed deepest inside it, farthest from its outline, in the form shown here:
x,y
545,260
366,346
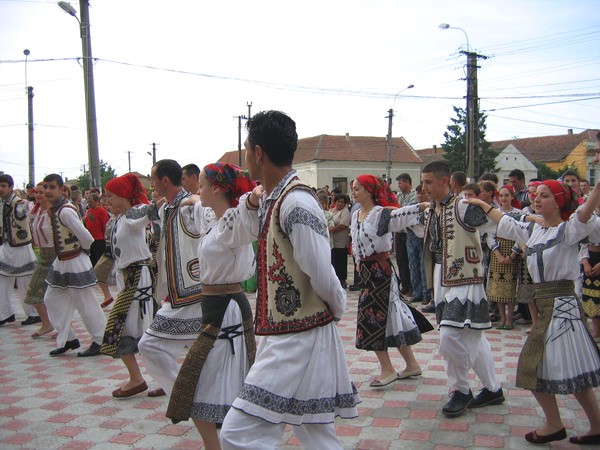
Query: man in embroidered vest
x,y
299,376
453,269
17,260
71,279
178,322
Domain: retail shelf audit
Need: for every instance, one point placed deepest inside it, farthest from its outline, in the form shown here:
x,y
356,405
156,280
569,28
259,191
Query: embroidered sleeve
x,y
402,218
70,218
238,226
302,216
509,228
383,225
143,210
475,216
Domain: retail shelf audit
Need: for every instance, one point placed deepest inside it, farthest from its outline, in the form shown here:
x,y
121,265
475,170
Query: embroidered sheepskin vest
x,y
461,249
286,301
15,224
66,244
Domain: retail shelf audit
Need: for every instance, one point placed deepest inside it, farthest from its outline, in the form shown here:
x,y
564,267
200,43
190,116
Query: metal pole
x,y
388,167
90,96
30,129
249,107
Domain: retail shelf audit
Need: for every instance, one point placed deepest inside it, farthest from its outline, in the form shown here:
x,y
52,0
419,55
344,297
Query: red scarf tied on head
x,y
128,186
379,189
564,197
230,179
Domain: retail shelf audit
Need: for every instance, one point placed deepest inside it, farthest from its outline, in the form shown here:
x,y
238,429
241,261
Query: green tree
x,y
546,173
106,173
455,146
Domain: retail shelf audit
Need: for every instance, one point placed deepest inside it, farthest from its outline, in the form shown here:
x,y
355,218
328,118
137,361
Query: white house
x,y
511,158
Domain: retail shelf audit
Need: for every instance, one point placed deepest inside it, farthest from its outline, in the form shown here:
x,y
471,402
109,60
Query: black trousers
x,y
97,249
402,263
339,260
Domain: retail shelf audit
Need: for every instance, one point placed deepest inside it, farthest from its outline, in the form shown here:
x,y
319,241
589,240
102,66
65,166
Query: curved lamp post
x,y
88,83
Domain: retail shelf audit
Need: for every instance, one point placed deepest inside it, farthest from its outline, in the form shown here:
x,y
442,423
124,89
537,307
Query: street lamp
x,y
88,83
388,167
445,26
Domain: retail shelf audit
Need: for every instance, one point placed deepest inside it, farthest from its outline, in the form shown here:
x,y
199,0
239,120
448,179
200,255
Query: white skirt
x,y
223,372
401,328
571,362
179,324
299,378
460,306
16,261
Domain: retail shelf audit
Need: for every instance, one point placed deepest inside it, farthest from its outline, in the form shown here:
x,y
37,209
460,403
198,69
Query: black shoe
x,y
70,345
487,397
355,287
31,320
94,350
428,309
458,404
7,320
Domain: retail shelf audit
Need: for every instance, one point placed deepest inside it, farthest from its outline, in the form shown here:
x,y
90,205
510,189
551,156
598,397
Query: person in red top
x,y
95,221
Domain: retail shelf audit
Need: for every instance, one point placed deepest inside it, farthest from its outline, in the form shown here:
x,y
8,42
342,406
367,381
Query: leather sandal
x,y
120,393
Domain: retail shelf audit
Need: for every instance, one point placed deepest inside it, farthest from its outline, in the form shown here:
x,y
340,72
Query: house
x,y
511,158
558,151
336,160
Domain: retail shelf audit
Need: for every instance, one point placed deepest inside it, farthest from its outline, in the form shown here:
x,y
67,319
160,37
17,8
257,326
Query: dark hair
x,y
517,173
572,173
95,197
439,168
336,191
169,168
583,180
337,197
472,187
6,178
54,177
488,186
489,176
419,188
275,132
191,169
404,177
460,178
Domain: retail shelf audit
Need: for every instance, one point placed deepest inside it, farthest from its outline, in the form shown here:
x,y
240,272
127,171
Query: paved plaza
x,y
65,402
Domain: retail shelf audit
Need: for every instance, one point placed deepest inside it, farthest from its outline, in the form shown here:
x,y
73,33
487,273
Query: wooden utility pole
x,y
30,132
129,160
388,166
473,153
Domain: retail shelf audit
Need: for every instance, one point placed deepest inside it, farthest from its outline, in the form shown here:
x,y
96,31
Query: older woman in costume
x,y
384,320
213,372
560,356
131,314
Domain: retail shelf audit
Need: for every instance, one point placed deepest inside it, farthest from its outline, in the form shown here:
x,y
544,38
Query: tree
x,y
455,147
106,173
545,172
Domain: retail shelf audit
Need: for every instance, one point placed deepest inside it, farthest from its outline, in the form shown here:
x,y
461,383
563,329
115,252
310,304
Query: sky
x,y
177,73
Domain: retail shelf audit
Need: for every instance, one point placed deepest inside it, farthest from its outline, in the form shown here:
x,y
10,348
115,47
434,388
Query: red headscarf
x,y
379,189
128,186
230,179
515,203
564,197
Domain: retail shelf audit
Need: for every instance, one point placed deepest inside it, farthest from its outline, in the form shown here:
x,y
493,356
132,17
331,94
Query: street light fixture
x,y
88,83
388,167
445,26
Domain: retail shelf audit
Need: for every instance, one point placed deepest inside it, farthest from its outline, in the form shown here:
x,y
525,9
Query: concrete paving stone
x,y
98,434
36,415
380,433
489,429
48,442
163,442
452,438
391,413
523,421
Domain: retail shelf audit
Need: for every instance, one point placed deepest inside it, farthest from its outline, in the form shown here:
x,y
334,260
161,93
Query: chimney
x,y
434,149
570,131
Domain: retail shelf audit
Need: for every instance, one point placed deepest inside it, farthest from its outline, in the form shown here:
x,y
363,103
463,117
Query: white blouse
x,y
128,238
552,252
41,229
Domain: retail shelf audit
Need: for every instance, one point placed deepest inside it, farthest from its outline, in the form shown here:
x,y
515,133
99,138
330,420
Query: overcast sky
x,y
177,72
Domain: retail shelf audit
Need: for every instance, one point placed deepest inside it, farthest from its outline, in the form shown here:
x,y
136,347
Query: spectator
x,y
471,190
406,196
457,182
95,221
517,179
190,178
341,238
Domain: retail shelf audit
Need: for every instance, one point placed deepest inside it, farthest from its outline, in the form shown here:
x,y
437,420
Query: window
x,y
341,183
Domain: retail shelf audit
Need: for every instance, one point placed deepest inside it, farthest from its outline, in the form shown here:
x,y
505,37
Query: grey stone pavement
x,y
66,403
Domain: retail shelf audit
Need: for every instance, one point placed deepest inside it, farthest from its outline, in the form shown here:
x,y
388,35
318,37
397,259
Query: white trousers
x,y
242,431
464,349
61,305
160,358
7,285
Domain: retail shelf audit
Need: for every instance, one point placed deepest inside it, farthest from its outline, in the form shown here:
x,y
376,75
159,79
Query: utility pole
x,y
153,154
129,160
473,153
30,130
249,104
388,167
239,118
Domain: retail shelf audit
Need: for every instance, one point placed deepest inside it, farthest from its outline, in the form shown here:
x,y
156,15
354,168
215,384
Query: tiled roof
x,y
232,157
546,148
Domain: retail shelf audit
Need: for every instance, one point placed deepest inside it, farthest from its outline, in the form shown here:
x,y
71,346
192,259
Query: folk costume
x,y
132,312
71,279
384,320
41,229
453,269
559,356
17,260
299,376
178,322
213,372
591,283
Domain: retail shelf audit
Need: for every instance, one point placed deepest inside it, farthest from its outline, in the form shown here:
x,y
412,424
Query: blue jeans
x,y
416,265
